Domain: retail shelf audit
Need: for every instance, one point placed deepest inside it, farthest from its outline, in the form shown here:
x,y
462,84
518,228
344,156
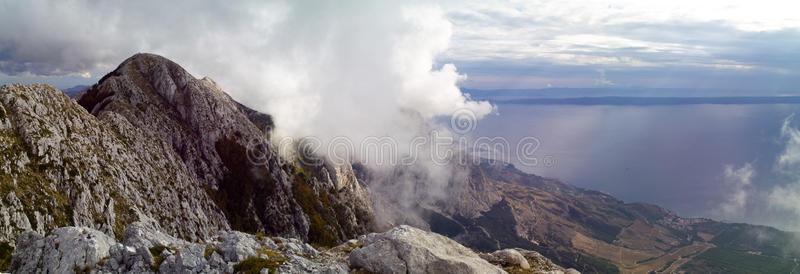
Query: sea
x,y
671,155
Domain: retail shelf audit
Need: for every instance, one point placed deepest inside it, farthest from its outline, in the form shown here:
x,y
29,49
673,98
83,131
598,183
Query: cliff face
x,y
151,143
205,135
62,166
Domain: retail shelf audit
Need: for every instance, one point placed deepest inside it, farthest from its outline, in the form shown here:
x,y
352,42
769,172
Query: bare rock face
x,y
222,145
64,250
507,257
62,166
520,260
410,250
150,143
206,134
144,249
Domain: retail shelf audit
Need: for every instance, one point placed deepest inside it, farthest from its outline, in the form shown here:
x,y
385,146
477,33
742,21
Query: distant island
x,y
652,101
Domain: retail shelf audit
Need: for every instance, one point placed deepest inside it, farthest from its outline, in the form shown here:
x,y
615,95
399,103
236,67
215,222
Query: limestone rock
x,y
150,143
64,250
75,169
410,250
508,257
525,260
146,249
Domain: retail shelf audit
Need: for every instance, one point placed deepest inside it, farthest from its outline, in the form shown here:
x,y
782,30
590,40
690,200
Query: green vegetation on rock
x,y
254,265
725,260
6,250
156,252
318,207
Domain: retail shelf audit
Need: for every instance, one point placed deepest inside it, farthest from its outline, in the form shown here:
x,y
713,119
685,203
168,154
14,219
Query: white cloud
x,y
737,182
787,197
789,160
710,39
350,69
622,34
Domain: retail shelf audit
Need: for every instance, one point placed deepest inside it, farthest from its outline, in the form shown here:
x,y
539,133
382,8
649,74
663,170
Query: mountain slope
x,y
594,232
194,121
151,143
62,166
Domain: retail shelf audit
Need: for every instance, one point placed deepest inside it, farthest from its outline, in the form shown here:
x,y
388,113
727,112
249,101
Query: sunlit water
x,y
672,156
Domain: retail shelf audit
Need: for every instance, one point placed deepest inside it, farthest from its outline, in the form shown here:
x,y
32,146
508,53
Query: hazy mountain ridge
x,y
595,232
76,91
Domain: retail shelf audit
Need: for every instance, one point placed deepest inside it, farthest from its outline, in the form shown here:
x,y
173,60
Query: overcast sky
x,y
751,45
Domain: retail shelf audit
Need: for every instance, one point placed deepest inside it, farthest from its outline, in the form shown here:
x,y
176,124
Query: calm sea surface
x,y
673,156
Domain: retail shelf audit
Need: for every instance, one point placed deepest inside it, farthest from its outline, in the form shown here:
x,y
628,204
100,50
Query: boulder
x,y
507,257
65,250
405,249
236,246
525,260
139,234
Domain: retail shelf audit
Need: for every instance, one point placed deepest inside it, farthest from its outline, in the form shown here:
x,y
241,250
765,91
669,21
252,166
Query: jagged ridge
x,y
151,143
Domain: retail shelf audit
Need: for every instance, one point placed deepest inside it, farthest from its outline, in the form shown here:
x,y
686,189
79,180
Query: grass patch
x,y
156,252
259,235
210,251
725,260
6,250
349,248
254,265
318,208
767,240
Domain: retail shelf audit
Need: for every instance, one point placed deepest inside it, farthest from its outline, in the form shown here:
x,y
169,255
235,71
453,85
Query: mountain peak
x,y
148,72
211,133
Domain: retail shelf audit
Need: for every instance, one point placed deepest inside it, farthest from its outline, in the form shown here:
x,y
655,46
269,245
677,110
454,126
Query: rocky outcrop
x,y
64,250
62,166
507,257
199,126
223,146
150,143
144,249
410,250
520,260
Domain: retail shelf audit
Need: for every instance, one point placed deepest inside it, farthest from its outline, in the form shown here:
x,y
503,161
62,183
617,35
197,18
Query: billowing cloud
x,y
737,182
499,44
327,69
787,196
789,160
